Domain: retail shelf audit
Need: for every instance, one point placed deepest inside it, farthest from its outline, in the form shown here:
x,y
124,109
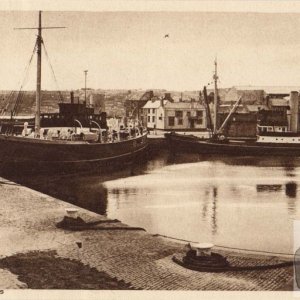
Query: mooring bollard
x,y
203,249
72,212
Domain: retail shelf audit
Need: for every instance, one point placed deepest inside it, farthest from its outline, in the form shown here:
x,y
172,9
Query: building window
x,y
180,121
160,118
149,110
153,110
188,113
199,113
153,119
171,121
149,119
178,113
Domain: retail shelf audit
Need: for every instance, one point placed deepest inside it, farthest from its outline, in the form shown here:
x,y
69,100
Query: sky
x,y
129,50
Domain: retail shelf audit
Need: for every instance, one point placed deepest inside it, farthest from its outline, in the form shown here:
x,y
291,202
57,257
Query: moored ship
x,y
74,139
272,139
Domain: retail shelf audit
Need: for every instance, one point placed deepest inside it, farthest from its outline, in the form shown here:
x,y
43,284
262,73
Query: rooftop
x,y
270,89
184,105
154,104
279,102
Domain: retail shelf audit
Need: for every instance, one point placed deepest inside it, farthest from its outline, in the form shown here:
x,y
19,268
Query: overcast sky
x,y
129,49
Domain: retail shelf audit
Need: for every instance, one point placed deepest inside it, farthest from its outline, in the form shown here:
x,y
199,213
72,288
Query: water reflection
x,y
84,192
209,207
205,203
214,211
247,202
290,171
291,193
291,189
268,187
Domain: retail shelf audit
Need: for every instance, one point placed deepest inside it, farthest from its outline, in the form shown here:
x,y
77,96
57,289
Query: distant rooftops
x,y
270,89
183,105
155,104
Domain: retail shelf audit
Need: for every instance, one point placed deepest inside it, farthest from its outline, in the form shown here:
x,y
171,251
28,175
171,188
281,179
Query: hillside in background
x,y
113,101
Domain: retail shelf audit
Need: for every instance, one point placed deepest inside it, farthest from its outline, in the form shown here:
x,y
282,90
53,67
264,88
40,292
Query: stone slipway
x,y
27,223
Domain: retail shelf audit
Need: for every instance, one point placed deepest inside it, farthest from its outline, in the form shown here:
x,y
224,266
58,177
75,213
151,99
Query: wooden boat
x,y
74,139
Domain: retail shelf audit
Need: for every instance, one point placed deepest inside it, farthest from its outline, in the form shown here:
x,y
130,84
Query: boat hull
x,y
23,155
195,145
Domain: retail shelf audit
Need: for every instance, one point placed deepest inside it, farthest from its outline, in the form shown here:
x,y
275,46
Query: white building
x,y
166,115
154,113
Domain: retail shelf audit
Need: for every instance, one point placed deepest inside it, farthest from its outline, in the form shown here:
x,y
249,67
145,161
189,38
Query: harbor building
x,y
249,96
167,115
135,102
154,113
184,115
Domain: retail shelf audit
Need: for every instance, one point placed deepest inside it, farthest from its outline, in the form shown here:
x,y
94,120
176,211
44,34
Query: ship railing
x,y
100,132
98,136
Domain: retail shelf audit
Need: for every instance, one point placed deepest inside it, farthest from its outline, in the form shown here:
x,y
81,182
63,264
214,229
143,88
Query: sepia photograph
x,y
149,149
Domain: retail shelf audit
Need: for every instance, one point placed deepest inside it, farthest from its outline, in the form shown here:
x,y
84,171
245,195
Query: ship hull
x,y
195,145
24,155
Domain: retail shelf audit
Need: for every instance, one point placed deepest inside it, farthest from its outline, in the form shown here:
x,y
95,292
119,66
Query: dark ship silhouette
x,y
72,140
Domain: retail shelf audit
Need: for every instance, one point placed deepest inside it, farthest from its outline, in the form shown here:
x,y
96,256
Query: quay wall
x,y
28,223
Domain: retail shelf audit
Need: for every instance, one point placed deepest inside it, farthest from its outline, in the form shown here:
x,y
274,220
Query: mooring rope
x,y
208,268
227,247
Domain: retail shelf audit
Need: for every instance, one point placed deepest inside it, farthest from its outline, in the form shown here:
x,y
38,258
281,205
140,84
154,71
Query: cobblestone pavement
x,y
27,222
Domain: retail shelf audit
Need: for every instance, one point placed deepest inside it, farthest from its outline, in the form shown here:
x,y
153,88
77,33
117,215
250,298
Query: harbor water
x,y
240,202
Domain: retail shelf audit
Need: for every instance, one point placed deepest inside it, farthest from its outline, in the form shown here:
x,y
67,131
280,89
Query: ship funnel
x,y
72,97
294,111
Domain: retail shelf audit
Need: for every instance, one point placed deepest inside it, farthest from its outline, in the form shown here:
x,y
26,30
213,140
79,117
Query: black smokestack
x,y
72,97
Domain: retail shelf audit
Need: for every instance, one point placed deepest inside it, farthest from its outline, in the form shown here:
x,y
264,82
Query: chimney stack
x,y
168,97
294,111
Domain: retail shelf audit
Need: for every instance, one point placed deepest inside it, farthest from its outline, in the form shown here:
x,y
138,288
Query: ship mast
x,y
38,78
39,42
215,77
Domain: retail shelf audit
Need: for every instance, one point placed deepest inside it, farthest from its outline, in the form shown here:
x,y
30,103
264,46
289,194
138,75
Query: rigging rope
x,y
9,98
20,97
52,70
